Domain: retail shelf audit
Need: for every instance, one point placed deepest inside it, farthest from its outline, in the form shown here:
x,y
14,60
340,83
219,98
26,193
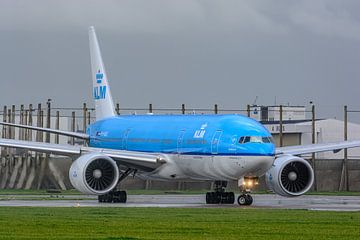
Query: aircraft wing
x,y
313,148
50,130
139,160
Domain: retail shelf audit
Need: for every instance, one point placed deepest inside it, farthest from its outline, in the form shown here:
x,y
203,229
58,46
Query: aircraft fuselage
x,y
198,147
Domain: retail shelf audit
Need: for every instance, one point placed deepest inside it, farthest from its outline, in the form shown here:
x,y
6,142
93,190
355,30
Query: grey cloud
x,y
331,18
196,52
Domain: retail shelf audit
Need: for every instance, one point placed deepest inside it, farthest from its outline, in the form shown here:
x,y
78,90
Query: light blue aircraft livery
x,y
218,148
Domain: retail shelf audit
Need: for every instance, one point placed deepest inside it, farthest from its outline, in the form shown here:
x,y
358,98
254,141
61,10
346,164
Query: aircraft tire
x,y
231,198
245,200
249,199
123,197
213,198
208,198
241,200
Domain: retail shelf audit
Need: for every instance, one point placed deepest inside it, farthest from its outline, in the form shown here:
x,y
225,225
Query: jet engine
x,y
94,173
290,176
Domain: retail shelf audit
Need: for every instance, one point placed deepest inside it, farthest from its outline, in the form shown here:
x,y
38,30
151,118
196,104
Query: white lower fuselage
x,y
210,167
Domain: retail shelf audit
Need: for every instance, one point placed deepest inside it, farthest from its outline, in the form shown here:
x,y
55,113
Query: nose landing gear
x,y
245,199
246,184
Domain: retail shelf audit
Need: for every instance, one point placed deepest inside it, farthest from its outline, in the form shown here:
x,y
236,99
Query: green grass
x,y
168,223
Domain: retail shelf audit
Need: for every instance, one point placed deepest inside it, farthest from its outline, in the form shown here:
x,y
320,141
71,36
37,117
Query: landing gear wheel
x,y
123,197
114,196
220,197
213,198
231,198
120,197
249,199
228,198
208,198
245,200
242,200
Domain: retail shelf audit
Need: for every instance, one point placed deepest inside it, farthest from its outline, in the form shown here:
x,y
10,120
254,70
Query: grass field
x,y
169,223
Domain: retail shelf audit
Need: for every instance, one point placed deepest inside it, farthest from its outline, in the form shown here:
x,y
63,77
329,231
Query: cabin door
x,y
180,140
215,142
125,139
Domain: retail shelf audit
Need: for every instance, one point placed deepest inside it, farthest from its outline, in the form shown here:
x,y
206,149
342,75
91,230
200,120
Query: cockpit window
x,y
255,139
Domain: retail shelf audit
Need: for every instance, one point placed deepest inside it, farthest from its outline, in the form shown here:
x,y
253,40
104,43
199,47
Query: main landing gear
x,y
115,196
219,195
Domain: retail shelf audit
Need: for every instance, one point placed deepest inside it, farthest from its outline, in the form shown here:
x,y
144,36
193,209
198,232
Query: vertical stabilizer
x,y
104,105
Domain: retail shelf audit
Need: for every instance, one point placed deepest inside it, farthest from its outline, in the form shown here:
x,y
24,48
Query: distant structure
x,y
272,113
299,132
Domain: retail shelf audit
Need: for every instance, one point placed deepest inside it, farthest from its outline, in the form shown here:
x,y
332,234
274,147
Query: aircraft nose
x,y
267,149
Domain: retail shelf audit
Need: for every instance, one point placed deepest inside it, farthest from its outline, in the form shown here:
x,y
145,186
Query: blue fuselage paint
x,y
183,134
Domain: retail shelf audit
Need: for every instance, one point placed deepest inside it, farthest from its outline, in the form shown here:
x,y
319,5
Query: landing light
x,y
250,182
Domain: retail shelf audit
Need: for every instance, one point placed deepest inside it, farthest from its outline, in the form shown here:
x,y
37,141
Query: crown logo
x,y
99,76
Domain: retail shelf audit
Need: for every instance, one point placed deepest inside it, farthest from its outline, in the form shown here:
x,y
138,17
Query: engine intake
x,y
290,176
94,173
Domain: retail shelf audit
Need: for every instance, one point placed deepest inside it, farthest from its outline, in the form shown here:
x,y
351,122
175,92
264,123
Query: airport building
x,y
272,113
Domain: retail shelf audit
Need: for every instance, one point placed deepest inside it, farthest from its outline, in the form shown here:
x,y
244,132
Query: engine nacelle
x,y
94,173
290,176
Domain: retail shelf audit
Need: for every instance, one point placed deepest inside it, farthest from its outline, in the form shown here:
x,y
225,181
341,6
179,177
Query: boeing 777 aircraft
x,y
216,148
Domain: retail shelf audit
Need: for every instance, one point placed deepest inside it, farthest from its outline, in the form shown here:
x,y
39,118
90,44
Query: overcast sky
x,y
197,52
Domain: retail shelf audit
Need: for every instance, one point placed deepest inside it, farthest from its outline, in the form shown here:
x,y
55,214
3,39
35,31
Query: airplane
x,y
217,148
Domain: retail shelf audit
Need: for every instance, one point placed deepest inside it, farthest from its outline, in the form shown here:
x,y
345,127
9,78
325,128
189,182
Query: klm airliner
x,y
217,148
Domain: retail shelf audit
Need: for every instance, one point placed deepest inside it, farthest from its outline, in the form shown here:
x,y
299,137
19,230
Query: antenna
x,y
256,98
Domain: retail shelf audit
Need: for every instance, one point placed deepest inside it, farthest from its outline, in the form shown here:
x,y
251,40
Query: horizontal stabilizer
x,y
60,132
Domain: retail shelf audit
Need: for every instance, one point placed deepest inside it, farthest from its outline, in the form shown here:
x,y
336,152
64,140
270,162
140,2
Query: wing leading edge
x,y
143,161
50,130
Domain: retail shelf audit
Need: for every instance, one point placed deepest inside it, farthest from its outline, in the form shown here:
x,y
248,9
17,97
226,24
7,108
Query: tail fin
x,y
104,105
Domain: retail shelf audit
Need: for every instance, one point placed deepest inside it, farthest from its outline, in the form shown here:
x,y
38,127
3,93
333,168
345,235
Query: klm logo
x,y
99,91
201,132
99,77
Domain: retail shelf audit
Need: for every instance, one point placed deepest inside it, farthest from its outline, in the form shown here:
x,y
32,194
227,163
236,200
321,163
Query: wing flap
x,y
313,148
